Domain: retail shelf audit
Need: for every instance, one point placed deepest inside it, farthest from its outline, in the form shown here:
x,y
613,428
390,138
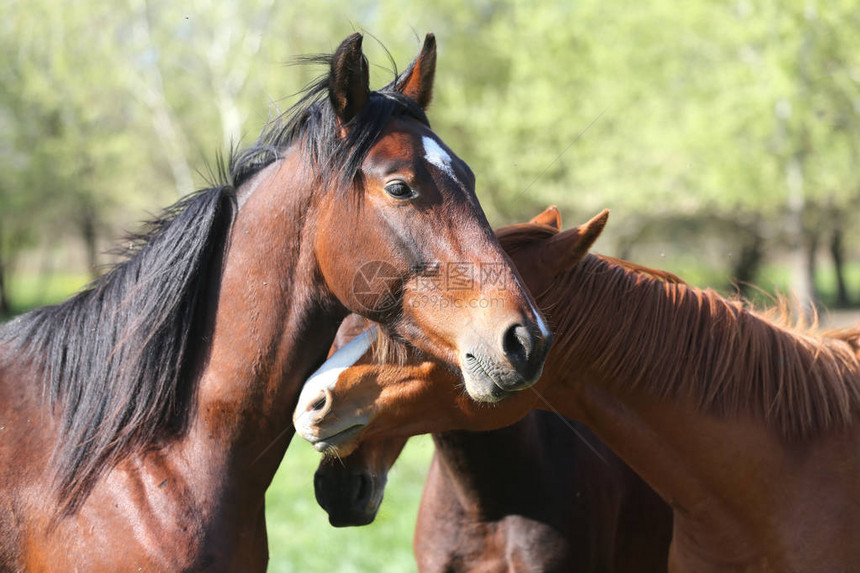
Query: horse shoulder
x,y
144,514
25,445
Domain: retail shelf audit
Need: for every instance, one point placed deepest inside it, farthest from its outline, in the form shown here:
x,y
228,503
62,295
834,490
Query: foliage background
x,y
723,135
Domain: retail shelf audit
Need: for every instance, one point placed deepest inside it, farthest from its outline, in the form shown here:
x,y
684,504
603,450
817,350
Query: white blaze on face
x,y
326,375
435,155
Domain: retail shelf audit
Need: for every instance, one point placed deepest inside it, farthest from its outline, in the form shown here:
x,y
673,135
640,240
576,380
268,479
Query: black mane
x,y
114,359
117,360
311,122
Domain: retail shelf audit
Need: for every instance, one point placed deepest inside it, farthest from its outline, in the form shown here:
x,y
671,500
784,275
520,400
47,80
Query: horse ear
x,y
349,80
569,247
416,82
550,217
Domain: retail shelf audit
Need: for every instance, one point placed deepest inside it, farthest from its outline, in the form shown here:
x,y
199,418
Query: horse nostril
x,y
320,407
365,489
517,344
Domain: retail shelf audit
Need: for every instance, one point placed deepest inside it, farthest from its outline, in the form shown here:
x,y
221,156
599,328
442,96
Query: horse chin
x,y
352,518
481,387
342,443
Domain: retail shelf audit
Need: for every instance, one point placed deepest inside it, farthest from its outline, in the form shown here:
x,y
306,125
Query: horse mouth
x,y
351,519
479,373
336,442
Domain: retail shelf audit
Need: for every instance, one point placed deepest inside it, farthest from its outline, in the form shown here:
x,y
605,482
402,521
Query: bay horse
x,y
745,423
142,420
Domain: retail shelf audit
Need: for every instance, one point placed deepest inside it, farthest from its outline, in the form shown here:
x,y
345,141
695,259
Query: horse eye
x,y
399,190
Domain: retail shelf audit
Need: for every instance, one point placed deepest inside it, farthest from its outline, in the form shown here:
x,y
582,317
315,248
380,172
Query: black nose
x,y
526,351
346,497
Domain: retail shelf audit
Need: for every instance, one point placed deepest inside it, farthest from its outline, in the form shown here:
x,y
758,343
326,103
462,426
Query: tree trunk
x,y
799,254
746,268
88,234
812,264
148,86
5,307
837,253
795,143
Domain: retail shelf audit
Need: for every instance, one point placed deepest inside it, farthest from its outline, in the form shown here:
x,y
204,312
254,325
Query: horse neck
x,y
606,370
488,471
643,333
272,327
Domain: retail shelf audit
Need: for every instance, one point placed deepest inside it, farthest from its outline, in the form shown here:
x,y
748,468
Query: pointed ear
x,y
550,217
564,250
348,80
416,82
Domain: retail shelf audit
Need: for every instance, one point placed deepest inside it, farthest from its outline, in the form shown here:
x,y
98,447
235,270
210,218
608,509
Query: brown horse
x,y
744,424
143,419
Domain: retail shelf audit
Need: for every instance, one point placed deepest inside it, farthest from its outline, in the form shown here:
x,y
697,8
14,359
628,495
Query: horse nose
x,y
346,496
526,350
320,406
310,416
517,343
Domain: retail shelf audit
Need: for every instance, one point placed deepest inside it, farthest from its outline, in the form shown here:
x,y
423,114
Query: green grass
x,y
301,539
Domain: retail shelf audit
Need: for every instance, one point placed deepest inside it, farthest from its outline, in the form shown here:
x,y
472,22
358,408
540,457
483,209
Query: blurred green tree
x,y
731,120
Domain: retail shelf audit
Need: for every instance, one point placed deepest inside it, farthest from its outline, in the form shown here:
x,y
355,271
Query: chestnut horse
x,y
743,422
543,494
143,419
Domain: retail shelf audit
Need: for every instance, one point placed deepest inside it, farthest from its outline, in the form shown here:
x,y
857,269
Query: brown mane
x,y
636,268
642,325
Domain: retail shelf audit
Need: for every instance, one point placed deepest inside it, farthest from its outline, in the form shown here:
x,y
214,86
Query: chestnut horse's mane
x,y
653,331
656,333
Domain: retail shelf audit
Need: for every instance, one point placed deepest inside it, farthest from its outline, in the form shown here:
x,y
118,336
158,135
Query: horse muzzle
x,y
492,372
350,498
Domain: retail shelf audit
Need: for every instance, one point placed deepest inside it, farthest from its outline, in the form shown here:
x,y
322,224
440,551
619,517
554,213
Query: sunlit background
x,y
724,136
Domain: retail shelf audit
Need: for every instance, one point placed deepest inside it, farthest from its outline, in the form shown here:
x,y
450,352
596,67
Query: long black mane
x,y
114,359
117,360
311,122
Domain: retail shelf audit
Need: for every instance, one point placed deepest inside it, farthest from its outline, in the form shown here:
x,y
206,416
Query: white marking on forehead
x,y
326,375
435,155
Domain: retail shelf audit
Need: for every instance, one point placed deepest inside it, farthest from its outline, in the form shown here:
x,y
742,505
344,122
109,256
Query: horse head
x,y
413,249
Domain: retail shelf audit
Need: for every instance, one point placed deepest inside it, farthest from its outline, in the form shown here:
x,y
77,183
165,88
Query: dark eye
x,y
399,190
